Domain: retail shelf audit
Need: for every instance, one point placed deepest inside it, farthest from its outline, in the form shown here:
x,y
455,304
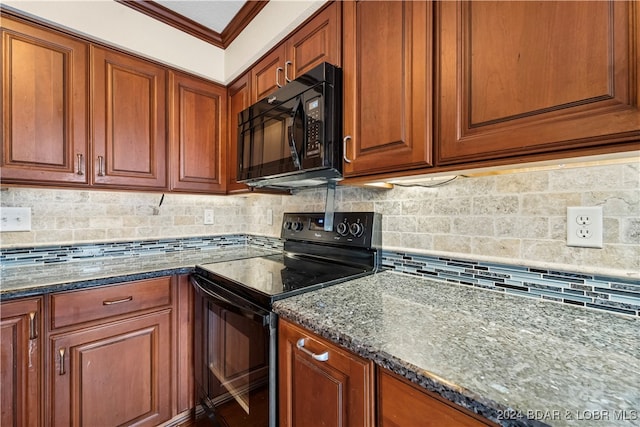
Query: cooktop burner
x,y
312,258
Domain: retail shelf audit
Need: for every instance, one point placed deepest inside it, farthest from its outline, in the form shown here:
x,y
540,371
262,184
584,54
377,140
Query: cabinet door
x,y
44,93
20,363
335,392
318,41
268,74
530,77
401,403
113,374
387,65
129,134
197,132
239,99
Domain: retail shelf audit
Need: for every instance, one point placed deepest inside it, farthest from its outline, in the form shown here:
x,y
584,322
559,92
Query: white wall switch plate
x,y
269,216
15,219
584,226
208,216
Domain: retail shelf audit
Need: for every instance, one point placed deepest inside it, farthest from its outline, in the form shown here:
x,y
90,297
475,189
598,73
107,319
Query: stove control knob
x,y
342,228
356,229
297,226
287,225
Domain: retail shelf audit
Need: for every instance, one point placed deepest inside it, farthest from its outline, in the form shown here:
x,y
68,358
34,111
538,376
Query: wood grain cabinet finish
x,y
197,134
129,108
317,41
520,78
44,106
335,392
239,98
20,363
401,403
111,355
387,66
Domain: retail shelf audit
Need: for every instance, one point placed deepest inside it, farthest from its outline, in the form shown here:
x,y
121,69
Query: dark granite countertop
x,y
21,281
514,360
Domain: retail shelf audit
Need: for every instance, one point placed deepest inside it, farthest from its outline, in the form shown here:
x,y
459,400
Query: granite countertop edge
x,y
486,408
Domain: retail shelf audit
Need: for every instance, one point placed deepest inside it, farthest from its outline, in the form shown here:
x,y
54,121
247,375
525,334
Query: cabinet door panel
x,y
44,105
129,121
318,41
115,374
265,73
387,85
20,364
510,85
239,99
335,392
197,132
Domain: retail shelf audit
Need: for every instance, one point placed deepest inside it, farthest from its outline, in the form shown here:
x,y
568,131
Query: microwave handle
x,y
293,144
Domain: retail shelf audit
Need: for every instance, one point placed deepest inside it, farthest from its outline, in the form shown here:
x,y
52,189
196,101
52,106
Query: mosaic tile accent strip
x,y
68,253
265,242
612,294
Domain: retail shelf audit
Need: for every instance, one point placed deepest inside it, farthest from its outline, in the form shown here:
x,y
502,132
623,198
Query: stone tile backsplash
x,y
516,219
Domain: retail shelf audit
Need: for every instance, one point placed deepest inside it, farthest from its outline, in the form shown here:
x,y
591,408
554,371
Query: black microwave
x,y
292,138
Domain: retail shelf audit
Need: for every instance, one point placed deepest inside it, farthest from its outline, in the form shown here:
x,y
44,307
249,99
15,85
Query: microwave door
x,y
295,133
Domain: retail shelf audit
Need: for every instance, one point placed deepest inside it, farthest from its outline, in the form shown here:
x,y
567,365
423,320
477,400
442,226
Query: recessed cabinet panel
x,y
128,121
267,74
316,42
197,132
20,362
387,86
113,374
239,99
532,77
44,105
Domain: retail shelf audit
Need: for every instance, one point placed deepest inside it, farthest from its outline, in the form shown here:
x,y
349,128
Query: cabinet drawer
x,y
75,307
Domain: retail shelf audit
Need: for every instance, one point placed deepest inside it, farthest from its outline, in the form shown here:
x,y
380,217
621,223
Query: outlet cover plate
x,y
584,226
15,219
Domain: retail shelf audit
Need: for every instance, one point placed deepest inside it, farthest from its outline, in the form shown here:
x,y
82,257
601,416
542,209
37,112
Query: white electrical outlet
x,y
15,219
208,216
584,226
269,216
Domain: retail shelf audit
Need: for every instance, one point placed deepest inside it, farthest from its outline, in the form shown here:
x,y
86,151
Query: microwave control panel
x,y
314,111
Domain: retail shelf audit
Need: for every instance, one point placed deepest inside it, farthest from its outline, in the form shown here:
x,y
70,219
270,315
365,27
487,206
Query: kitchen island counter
x,y
513,360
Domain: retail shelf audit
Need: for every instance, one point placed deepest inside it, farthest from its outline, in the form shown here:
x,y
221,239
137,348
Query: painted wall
x,y
515,218
121,26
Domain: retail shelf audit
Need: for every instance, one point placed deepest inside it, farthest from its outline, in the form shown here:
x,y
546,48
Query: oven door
x,y
234,357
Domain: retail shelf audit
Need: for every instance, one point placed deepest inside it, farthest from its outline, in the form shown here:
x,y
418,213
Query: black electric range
x,y
235,330
312,258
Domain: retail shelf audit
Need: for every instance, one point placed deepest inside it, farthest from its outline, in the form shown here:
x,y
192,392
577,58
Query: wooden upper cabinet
x,y
197,134
20,362
531,77
239,97
44,106
387,86
317,41
129,134
321,384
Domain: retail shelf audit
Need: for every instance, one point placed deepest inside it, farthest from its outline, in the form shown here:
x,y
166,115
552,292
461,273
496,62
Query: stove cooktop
x,y
269,278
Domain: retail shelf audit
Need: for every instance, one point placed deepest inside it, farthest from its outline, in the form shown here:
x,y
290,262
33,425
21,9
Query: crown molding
x,y
222,40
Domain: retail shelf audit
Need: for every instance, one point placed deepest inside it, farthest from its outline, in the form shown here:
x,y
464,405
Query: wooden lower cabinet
x,y
113,361
401,404
20,363
314,391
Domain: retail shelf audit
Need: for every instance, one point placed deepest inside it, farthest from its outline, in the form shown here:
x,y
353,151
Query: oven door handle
x,y
240,307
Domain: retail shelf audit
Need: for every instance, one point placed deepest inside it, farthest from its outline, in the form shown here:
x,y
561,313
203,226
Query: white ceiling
x,y
213,14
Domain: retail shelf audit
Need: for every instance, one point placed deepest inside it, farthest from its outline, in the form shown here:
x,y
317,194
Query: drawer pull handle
x,y
278,71
62,352
100,165
33,331
117,301
322,357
